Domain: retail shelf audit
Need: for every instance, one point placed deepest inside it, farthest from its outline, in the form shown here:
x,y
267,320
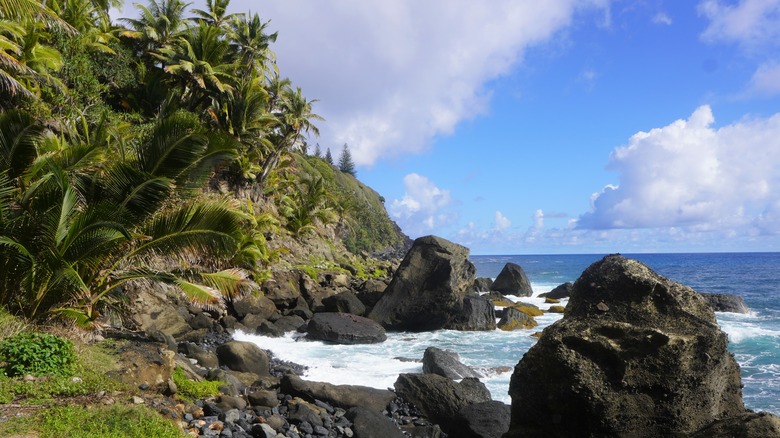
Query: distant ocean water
x,y
754,338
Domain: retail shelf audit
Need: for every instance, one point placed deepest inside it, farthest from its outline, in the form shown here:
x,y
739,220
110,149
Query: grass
x,y
192,390
118,421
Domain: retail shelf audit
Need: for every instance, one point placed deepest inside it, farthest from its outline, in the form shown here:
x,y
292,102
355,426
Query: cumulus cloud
x,y
501,222
692,175
390,75
423,207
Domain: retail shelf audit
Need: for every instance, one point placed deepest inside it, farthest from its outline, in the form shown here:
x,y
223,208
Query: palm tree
x,y
250,42
216,15
160,24
294,118
75,227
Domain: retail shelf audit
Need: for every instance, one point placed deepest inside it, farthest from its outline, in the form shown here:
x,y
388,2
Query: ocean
x,y
754,339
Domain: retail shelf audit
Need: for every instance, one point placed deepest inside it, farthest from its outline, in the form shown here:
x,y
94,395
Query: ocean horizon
x,y
754,338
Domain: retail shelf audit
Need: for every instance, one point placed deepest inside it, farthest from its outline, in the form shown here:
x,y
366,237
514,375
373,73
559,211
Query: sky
x,y
563,126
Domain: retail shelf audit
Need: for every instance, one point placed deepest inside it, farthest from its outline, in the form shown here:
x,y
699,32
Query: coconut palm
x,y
250,42
216,15
160,24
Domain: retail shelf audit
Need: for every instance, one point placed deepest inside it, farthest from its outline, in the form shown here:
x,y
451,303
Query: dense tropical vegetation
x,y
121,147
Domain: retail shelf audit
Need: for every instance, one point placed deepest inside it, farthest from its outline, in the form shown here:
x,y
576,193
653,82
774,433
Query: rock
x,y
283,288
561,291
747,425
548,300
512,281
371,424
289,323
254,304
227,402
498,299
270,329
344,302
371,291
439,398
528,309
243,356
263,398
252,322
726,303
345,328
482,420
300,308
343,396
481,284
446,363
477,313
514,319
152,309
302,411
142,363
205,358
201,320
635,354
556,309
428,287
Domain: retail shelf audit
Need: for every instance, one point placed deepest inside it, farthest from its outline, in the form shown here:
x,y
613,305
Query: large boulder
x,y
244,357
345,328
726,303
254,304
438,398
342,396
516,319
635,354
481,284
477,313
512,281
428,288
446,363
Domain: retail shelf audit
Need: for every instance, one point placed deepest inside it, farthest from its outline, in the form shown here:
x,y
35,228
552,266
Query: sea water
x,y
754,339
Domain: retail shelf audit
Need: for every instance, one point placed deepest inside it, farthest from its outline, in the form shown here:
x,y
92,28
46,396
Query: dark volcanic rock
x,y
560,291
636,354
439,398
345,328
726,303
345,302
514,319
371,424
482,420
343,396
477,313
747,425
512,281
428,288
254,304
446,363
482,284
243,356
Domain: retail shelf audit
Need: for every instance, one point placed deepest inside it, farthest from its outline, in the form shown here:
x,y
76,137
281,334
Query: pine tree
x,y
346,164
329,157
317,151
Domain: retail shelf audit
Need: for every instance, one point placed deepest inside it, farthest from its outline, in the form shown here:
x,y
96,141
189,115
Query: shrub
x,y
193,390
38,354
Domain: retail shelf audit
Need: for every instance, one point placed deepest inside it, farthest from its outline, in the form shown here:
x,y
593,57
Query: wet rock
x,y
477,313
343,396
345,328
726,303
482,420
344,302
439,398
559,292
514,319
243,356
367,423
446,363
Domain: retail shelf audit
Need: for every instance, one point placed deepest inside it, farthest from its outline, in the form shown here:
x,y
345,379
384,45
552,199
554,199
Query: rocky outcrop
x,y
254,304
482,284
560,291
446,363
439,398
343,396
476,314
635,354
747,425
512,281
345,328
726,303
371,424
428,287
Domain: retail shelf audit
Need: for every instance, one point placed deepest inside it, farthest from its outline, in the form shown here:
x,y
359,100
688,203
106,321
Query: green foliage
x,y
193,390
346,164
96,422
38,354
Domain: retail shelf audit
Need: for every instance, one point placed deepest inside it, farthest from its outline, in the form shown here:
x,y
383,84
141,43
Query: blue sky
x,y
522,127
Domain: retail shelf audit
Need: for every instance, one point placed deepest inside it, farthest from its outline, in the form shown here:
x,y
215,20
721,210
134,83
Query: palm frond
x,y
199,295
234,284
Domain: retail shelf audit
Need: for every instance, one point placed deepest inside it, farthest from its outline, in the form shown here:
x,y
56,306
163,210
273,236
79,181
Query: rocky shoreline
x,y
626,334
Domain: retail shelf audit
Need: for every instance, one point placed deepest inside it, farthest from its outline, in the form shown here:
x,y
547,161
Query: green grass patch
x,y
118,421
192,390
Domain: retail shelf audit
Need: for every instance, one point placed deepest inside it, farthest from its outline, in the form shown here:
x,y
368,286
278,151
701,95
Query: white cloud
x,y
423,207
662,18
501,222
750,23
765,81
691,175
393,74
